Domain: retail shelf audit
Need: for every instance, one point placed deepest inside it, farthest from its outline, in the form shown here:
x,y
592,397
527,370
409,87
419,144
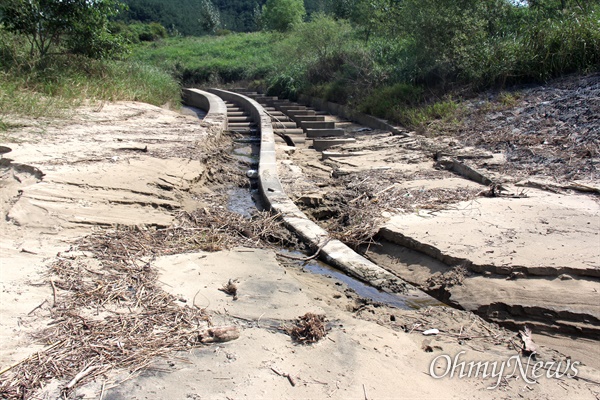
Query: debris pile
x,y
309,328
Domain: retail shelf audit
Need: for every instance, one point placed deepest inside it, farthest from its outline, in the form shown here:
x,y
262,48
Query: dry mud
x,y
130,164
507,235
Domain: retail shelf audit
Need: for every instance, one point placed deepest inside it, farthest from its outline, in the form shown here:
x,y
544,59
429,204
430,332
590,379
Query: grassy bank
x,y
49,86
211,60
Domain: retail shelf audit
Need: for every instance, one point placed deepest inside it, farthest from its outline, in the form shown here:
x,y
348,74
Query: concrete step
x,y
324,144
292,107
281,118
314,118
283,124
246,118
278,103
236,113
262,98
300,140
317,124
289,131
317,133
239,125
301,111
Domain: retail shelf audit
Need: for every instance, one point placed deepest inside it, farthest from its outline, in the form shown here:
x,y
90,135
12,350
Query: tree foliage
x,y
182,16
210,17
282,15
80,26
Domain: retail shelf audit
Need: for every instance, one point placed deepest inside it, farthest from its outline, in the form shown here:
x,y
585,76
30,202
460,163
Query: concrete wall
x,y
212,104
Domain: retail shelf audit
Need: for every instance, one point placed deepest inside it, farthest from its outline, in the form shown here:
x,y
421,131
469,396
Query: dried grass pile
x,y
356,212
309,328
109,311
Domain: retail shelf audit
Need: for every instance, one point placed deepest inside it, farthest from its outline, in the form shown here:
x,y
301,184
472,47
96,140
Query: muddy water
x,y
370,292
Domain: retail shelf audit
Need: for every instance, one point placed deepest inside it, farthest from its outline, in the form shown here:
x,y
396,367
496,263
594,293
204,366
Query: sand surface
x,y
130,164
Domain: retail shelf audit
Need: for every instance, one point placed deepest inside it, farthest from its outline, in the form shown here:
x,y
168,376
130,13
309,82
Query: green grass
x,y
210,59
418,117
55,84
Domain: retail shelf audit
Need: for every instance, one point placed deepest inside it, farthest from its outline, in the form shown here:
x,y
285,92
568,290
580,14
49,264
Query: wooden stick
x,y
82,375
53,292
386,189
307,258
43,302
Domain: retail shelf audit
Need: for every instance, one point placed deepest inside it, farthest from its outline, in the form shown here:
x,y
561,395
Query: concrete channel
x,y
331,251
269,111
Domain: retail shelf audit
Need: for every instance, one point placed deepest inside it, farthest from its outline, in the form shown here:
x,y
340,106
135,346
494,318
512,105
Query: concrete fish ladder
x,y
332,250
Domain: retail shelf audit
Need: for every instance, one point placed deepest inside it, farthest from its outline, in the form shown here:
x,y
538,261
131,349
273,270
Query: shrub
x,y
384,101
282,15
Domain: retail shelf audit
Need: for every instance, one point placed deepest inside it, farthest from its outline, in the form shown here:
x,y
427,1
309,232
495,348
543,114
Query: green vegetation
x,y
77,26
54,54
282,15
186,17
397,60
400,60
137,32
213,60
59,82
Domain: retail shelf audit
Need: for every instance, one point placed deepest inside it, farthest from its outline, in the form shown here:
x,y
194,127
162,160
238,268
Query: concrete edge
x,y
333,251
212,104
347,112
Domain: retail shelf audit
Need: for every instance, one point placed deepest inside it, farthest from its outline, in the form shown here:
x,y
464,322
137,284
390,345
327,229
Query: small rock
x,y
565,277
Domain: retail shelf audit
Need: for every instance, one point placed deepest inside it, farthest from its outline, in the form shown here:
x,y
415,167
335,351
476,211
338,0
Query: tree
x,y
210,18
81,26
281,15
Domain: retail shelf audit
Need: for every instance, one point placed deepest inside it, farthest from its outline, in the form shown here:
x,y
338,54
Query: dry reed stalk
x,y
112,313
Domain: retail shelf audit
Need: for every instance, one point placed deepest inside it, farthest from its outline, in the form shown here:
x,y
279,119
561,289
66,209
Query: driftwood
x,y
222,334
82,375
291,379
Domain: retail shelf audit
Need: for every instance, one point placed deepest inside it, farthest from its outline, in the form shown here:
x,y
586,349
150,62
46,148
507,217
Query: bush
x,y
282,15
79,27
325,54
384,101
570,43
137,32
284,86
